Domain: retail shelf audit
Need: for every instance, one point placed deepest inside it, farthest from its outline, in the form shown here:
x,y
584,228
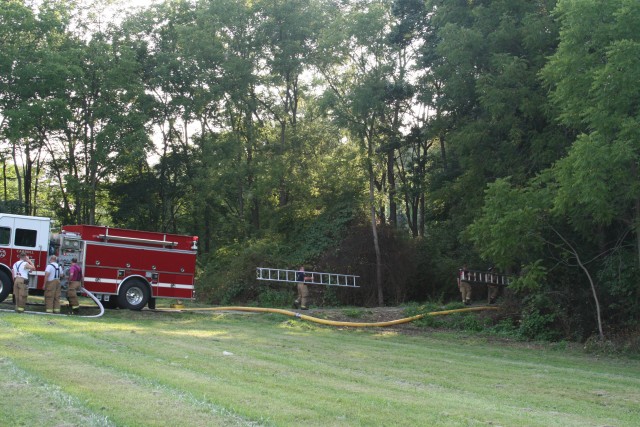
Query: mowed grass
x,y
211,369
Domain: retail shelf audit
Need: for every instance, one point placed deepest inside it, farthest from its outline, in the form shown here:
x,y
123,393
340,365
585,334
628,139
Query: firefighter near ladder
x,y
463,285
304,278
489,278
302,302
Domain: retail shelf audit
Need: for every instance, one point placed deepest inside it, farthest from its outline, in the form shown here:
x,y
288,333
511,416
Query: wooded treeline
x,y
396,140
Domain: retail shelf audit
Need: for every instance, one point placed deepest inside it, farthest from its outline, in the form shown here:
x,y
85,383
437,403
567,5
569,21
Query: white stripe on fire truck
x,y
174,286
100,280
142,248
160,285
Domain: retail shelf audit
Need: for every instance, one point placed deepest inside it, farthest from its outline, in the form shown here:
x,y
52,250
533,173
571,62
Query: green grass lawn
x,y
211,369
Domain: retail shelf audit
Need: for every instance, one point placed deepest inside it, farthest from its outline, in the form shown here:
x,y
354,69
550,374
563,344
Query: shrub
x,y
230,273
506,328
269,297
328,297
540,318
468,322
537,326
413,309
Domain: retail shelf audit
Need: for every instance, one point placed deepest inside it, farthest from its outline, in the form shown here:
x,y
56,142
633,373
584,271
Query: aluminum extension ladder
x,y
327,279
484,277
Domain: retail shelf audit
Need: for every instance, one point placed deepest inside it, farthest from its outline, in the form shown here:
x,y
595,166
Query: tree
x,y
356,91
32,74
488,112
584,206
598,179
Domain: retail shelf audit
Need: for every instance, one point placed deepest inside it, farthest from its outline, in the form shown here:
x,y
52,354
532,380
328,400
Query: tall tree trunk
x,y
4,179
18,174
282,185
207,227
422,215
591,283
637,226
34,208
374,228
27,175
443,152
407,212
393,208
376,244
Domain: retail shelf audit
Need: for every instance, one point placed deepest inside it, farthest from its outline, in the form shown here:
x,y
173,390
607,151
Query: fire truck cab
x,y
124,268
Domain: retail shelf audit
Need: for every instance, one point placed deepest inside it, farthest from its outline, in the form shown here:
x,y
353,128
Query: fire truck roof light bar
x,y
108,237
327,279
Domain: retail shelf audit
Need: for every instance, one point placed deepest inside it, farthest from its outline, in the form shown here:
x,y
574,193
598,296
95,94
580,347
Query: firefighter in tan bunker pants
x,y
21,270
52,276
303,291
464,285
75,281
492,288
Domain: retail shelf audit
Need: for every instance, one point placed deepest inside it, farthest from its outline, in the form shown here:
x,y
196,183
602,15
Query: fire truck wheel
x,y
5,286
112,303
133,295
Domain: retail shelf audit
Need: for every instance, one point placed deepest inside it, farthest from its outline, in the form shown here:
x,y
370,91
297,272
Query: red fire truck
x,y
124,268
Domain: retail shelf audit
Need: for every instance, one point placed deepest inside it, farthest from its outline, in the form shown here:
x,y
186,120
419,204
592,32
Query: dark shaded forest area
x,y
395,140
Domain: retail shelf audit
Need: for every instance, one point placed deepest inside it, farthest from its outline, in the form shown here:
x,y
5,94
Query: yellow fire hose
x,y
335,322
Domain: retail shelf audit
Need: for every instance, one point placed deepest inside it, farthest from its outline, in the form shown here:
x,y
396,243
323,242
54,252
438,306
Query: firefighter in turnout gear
x,y
464,285
21,281
52,276
75,281
303,291
492,288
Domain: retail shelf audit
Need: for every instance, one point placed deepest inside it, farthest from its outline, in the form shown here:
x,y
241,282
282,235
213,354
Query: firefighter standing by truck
x,y
75,279
52,276
21,270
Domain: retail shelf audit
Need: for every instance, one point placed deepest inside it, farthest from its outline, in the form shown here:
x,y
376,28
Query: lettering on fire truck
x,y
124,268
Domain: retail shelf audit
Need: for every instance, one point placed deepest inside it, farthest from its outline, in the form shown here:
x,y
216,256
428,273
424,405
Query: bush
x,y
623,341
229,276
430,322
269,297
414,309
600,347
505,328
468,322
301,236
329,297
541,318
537,326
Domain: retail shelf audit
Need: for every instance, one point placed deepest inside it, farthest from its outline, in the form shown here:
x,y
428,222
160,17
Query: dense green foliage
x,y
393,139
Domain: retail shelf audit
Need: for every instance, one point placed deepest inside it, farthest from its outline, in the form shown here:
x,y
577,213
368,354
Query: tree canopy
x,y
397,139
